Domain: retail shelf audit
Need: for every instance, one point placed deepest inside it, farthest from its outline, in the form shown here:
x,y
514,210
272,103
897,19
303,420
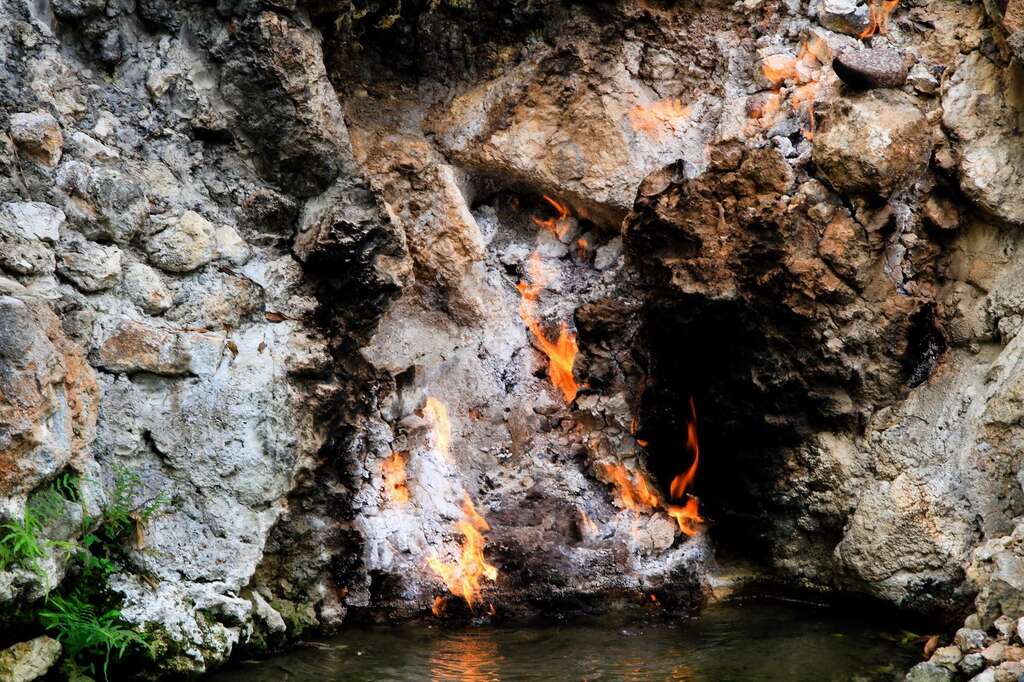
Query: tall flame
x,y
687,515
437,413
878,17
632,489
393,471
557,226
562,350
463,575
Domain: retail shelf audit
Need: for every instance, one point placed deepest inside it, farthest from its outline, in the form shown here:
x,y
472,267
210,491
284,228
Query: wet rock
x,y
186,243
38,137
843,16
146,289
90,266
873,143
135,347
27,661
872,68
981,111
104,204
929,672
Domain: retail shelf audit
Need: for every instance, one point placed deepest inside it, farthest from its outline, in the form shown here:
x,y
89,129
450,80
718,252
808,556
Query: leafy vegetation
x,y
84,616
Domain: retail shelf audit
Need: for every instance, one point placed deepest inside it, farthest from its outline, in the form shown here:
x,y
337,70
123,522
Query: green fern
x,y
20,544
86,634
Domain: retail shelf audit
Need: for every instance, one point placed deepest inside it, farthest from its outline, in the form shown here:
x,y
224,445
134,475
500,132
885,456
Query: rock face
x,y
266,258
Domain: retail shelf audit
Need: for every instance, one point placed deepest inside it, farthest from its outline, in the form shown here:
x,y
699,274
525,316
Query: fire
x,y
587,524
652,119
557,226
687,515
878,17
437,413
801,71
562,350
463,575
437,608
393,471
632,489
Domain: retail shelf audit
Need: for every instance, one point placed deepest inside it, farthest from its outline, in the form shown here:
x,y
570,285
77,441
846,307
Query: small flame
x,y
561,351
393,471
878,17
632,489
463,575
437,413
557,226
587,524
438,607
687,515
581,248
802,70
652,118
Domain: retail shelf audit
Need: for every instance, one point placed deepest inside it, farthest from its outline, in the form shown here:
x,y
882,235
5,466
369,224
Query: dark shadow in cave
x,y
748,409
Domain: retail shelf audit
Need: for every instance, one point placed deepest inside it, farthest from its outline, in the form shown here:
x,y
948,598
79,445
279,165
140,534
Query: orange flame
x,y
652,118
587,524
438,607
393,471
687,515
801,70
562,351
557,226
878,17
463,575
632,489
437,413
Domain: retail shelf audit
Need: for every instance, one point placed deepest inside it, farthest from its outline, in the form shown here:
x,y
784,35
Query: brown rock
x,y
37,135
941,212
873,143
136,347
872,68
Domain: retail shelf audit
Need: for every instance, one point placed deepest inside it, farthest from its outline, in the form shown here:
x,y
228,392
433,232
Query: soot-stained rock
x,y
873,143
872,68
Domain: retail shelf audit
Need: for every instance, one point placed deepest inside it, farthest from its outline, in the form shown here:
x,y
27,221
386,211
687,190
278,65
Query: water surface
x,y
740,641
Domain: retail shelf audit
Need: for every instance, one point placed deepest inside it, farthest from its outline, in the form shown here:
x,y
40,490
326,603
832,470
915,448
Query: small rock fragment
x,y
941,212
970,639
947,656
994,653
37,135
972,664
922,78
871,68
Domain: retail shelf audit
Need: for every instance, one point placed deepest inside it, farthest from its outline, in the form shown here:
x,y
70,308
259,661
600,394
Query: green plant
x,y
87,634
20,544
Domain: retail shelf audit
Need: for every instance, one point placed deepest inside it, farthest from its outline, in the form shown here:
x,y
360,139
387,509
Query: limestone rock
x,y
135,347
49,399
90,266
102,203
871,68
38,136
27,661
187,243
873,143
26,230
146,289
982,108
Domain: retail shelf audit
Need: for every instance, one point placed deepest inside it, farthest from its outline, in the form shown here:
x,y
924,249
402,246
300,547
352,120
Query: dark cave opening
x,y
715,359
